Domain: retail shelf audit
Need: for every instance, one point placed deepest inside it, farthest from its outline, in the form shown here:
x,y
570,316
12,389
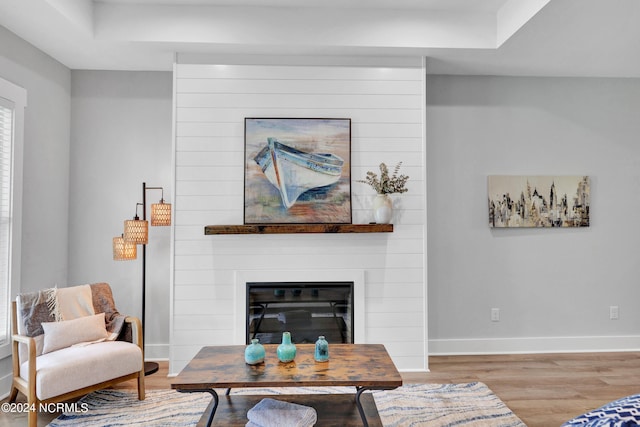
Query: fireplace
x,y
305,309
305,281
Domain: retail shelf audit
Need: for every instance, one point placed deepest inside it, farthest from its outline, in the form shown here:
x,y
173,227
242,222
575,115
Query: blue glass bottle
x,y
287,350
322,350
254,353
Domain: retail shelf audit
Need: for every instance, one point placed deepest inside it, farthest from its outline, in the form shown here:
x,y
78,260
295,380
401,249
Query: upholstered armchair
x,y
68,342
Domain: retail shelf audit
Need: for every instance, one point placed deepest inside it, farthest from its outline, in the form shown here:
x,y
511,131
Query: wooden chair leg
x,y
34,403
141,395
13,395
32,418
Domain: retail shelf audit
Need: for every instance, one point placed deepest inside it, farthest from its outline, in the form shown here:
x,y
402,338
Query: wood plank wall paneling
x,y
386,106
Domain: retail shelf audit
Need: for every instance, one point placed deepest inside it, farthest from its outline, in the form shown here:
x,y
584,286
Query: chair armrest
x,y
31,356
29,341
136,331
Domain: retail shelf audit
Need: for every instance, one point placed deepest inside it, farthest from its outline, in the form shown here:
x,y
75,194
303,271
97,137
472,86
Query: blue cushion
x,y
623,412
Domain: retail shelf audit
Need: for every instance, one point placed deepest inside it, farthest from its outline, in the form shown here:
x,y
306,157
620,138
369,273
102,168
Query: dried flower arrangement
x,y
386,184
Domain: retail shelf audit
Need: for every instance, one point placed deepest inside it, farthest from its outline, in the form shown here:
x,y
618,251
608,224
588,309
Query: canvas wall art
x,y
538,201
297,170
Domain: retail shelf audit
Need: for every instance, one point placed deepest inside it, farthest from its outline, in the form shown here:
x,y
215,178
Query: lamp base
x,y
150,368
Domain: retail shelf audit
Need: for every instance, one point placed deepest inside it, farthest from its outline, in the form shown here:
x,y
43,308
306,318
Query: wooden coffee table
x,y
363,366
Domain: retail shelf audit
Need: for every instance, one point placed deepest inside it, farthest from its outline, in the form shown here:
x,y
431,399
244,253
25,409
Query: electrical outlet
x,y
495,314
614,312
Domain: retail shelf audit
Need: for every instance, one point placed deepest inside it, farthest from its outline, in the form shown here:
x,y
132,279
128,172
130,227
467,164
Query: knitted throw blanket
x,y
51,305
276,413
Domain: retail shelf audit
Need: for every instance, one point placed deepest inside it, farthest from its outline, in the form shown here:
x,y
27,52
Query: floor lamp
x,y
136,232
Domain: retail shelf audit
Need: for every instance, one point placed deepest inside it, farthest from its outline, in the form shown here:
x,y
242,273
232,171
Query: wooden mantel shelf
x,y
297,228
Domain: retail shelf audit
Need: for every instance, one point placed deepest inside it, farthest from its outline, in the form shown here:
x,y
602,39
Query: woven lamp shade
x,y
161,214
136,231
124,251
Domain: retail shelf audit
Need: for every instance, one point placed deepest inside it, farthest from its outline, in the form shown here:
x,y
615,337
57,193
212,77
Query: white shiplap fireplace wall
x,y
385,100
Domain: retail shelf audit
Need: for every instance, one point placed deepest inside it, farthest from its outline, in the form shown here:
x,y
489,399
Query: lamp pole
x,y
149,367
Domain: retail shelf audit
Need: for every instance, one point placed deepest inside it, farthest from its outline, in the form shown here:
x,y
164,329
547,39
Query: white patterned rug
x,y
414,405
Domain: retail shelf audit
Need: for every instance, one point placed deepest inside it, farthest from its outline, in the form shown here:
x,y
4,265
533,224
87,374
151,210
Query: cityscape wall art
x,y
519,201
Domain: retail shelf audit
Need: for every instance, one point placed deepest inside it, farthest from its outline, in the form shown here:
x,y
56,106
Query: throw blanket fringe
x,y
51,298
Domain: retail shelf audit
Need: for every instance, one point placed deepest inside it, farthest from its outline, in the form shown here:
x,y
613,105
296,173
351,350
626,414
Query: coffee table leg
x,y
215,401
359,405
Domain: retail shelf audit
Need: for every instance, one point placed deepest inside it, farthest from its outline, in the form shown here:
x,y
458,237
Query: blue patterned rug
x,y
624,412
412,405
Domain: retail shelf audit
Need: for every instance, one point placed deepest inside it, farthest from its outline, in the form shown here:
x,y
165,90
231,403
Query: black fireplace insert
x,y
305,309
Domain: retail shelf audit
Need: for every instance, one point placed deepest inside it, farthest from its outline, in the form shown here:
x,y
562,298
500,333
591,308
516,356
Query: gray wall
x,y
46,167
553,286
120,138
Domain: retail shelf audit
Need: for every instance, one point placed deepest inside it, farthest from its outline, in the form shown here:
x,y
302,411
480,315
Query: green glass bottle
x,y
287,350
322,350
254,353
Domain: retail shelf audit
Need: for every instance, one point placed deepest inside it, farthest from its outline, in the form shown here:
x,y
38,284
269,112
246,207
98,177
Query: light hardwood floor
x,y
544,390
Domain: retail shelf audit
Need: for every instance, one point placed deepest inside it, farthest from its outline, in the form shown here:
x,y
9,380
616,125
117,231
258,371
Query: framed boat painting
x,y
297,170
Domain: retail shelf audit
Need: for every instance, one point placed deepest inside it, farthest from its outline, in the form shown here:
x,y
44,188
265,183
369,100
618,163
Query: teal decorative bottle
x,y
322,350
287,350
254,353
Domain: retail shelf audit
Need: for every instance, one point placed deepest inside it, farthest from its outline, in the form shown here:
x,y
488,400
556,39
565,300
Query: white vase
x,y
382,209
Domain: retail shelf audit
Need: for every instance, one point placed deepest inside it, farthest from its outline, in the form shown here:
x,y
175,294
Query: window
x,y
12,104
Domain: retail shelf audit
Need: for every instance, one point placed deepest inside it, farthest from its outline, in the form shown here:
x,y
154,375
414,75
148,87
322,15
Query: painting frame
x,y
539,201
297,170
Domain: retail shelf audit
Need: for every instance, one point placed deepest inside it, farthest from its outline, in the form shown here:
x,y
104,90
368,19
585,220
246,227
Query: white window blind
x,y
6,143
12,104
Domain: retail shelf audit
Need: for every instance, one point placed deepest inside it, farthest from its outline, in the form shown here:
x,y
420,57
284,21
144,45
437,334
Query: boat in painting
x,y
294,172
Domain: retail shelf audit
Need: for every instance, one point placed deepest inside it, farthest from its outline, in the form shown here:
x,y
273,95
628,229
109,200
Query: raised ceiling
x,y
501,37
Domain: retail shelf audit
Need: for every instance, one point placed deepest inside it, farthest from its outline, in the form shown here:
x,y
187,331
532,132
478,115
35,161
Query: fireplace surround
x,y
301,285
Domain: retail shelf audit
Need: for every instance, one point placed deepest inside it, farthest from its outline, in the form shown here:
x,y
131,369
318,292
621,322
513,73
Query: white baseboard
x,y
5,385
534,345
